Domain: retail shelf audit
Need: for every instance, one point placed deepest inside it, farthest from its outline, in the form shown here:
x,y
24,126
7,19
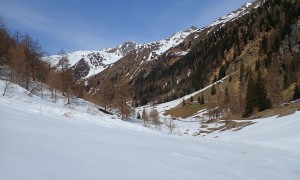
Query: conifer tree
x,y
264,45
202,99
215,79
257,65
213,90
261,94
285,81
250,97
226,96
242,71
222,72
256,95
230,78
296,94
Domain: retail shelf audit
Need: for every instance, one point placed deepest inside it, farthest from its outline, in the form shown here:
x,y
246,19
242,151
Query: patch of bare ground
x,y
185,111
281,110
222,125
235,125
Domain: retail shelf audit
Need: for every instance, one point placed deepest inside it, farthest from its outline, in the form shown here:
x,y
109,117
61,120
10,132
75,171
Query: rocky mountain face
x,y
88,63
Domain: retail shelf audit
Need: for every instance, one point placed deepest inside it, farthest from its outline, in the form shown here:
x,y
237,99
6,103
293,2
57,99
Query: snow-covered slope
x,y
43,140
158,48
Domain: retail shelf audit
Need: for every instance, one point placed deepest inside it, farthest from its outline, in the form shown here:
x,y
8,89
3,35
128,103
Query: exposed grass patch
x,y
281,110
222,125
185,111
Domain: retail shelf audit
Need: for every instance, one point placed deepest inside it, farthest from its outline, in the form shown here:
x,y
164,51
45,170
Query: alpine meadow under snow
x,y
43,140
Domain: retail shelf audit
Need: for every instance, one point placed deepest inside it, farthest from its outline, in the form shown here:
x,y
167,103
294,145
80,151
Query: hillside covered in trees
x,y
260,51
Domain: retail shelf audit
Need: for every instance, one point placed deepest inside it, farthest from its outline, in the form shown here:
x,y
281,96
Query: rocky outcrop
x,y
80,69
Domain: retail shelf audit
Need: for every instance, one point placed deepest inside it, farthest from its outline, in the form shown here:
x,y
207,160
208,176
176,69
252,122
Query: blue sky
x,y
96,24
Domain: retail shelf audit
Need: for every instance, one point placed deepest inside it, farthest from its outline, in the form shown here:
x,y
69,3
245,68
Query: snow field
x,y
43,140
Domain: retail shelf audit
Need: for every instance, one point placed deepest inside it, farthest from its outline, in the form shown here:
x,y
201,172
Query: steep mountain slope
x,y
127,68
254,39
135,68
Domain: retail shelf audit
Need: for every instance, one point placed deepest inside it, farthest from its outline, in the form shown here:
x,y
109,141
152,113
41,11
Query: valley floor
x,y
42,140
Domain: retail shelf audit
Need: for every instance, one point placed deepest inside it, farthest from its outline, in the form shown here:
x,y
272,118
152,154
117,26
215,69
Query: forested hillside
x,y
261,46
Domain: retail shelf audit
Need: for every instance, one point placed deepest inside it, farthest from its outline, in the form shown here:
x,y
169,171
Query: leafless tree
x,y
145,117
6,86
107,93
154,117
54,83
171,125
17,63
66,75
121,101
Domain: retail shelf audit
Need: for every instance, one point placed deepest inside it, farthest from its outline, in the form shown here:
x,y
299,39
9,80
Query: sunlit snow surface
x,y
43,140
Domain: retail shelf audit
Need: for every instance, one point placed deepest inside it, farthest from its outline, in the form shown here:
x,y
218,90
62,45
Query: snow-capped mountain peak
x,y
90,63
93,62
125,48
159,47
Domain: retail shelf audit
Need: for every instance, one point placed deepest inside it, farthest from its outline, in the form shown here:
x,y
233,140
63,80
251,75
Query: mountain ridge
x,y
98,60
